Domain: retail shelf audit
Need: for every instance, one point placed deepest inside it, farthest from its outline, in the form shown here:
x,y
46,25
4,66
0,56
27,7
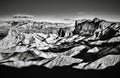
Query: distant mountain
x,y
99,28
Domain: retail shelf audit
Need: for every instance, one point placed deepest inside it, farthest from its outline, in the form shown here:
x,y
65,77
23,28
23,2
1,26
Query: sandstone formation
x,y
89,44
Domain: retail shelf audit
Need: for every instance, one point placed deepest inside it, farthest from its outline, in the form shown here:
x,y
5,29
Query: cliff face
x,y
92,44
99,28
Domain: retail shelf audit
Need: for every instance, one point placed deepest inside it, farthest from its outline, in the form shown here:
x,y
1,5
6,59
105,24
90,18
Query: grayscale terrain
x,y
83,44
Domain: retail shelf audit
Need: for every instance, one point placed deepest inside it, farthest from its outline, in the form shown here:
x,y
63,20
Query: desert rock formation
x,y
90,44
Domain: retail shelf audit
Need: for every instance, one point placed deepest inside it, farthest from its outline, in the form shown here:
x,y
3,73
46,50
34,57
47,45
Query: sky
x,y
62,9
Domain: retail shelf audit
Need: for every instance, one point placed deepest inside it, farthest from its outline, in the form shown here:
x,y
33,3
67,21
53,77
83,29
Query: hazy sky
x,y
62,8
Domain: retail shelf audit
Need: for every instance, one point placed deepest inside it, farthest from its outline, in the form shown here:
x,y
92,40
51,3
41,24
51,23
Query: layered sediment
x,y
89,44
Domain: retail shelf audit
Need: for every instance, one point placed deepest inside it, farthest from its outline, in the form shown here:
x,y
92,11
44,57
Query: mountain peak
x,y
22,16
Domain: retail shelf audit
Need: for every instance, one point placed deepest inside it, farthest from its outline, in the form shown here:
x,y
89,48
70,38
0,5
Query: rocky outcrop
x,y
101,29
89,44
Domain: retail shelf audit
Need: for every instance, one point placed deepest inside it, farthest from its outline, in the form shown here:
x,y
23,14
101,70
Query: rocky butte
x,y
89,44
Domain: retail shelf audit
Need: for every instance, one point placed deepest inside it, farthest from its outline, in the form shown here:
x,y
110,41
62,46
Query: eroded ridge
x,y
89,44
